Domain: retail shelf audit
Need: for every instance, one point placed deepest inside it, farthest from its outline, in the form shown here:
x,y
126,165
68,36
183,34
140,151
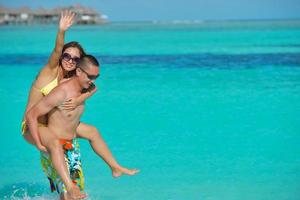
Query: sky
x,y
167,10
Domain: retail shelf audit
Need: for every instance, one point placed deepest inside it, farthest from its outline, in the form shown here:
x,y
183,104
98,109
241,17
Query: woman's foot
x,y
119,171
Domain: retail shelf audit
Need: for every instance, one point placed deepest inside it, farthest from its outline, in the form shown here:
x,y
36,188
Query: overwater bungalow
x,y
25,15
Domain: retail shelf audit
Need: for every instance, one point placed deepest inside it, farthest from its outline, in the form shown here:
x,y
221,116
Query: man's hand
x,y
66,20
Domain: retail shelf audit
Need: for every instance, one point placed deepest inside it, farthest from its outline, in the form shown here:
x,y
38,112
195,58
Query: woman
x,y
60,67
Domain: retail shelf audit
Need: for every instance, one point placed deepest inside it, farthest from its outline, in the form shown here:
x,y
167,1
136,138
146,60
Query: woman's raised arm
x,y
66,20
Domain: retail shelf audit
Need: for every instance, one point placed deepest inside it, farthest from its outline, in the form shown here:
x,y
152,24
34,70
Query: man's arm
x,y
53,99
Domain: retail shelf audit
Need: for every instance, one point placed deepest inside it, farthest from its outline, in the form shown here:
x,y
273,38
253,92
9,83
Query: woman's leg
x,y
28,137
100,148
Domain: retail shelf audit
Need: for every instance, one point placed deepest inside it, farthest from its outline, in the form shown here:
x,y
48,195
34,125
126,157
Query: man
x,y
62,124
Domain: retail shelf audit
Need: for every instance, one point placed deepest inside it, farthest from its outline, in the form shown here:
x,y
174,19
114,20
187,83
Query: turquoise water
x,y
206,110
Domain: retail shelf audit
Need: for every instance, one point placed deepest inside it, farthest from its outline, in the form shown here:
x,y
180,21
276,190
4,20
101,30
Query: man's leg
x,y
55,150
99,146
64,196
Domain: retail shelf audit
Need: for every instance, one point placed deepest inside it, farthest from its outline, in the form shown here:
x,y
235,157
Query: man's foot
x,y
75,193
119,171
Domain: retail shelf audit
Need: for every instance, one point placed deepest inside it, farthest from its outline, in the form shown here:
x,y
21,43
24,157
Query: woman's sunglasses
x,y
67,57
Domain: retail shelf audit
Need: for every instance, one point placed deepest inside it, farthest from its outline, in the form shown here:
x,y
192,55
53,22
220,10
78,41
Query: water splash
x,y
25,191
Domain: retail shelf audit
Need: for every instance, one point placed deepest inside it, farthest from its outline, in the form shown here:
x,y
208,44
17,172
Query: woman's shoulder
x,y
48,72
45,76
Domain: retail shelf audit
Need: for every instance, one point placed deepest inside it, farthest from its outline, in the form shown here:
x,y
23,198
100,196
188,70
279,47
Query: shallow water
x,y
206,111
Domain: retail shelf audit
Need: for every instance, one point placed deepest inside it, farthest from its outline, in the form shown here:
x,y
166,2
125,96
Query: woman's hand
x,y
66,20
41,148
69,105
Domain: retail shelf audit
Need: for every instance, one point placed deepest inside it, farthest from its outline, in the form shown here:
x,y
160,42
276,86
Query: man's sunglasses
x,y
91,77
67,57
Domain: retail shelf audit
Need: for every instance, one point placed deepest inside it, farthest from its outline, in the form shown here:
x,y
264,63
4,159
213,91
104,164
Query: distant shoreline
x,y
175,22
27,16
204,21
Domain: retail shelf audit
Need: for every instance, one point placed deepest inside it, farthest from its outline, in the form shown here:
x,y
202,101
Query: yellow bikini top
x,y
50,86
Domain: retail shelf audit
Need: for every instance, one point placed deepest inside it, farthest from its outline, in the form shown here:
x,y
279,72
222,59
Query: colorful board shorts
x,y
73,161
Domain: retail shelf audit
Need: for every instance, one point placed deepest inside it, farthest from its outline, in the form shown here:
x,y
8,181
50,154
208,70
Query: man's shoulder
x,y
66,84
60,90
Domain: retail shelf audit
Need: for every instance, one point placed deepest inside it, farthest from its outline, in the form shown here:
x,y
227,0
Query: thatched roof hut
x,y
41,15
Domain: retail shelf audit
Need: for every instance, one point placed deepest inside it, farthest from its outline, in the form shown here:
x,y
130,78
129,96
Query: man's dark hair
x,y
87,60
84,62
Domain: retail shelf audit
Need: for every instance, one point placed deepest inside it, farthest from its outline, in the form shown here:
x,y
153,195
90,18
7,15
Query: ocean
x,y
206,110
